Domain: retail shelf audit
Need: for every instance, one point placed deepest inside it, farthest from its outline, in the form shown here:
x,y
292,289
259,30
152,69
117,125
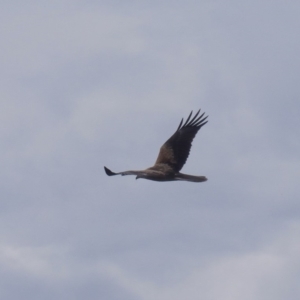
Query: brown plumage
x,y
173,154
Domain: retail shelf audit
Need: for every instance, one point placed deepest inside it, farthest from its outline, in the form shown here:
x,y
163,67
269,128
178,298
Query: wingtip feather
x,y
180,124
109,172
187,120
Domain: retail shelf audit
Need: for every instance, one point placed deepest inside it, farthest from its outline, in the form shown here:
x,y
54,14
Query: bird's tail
x,y
192,178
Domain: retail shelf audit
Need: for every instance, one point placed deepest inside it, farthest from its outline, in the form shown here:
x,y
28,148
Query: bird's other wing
x,y
111,173
176,149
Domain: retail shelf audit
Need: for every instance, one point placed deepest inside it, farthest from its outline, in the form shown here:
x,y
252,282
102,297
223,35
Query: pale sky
x,y
91,83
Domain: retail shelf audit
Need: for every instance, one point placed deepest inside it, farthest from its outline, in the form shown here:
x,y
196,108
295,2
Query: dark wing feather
x,y
176,149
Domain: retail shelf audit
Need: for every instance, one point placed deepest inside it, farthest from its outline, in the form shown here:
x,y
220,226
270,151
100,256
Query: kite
x,y
173,154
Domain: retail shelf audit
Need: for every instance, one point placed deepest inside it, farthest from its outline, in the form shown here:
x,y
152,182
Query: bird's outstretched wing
x,y
175,151
111,173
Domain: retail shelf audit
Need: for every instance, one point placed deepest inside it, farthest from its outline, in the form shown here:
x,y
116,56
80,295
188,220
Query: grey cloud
x,y
87,85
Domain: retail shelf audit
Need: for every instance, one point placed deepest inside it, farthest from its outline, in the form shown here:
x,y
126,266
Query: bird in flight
x,y
173,154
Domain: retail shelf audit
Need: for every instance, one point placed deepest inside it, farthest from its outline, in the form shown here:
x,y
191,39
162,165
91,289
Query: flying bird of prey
x,y
173,154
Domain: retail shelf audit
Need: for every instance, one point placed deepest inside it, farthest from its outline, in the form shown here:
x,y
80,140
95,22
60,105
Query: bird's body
x,y
172,155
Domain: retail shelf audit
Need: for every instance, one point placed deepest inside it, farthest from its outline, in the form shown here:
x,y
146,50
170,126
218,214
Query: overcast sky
x,y
91,83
